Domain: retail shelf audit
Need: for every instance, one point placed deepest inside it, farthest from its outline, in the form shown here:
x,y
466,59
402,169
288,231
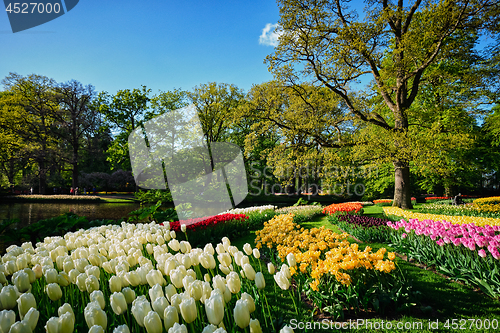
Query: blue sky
x,y
120,44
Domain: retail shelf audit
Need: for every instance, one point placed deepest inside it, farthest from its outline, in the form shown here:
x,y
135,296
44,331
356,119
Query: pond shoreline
x,y
37,198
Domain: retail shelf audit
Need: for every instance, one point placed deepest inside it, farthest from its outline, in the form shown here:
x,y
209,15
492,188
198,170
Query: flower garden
x,y
248,270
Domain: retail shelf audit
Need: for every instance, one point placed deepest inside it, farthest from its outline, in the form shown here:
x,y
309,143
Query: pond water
x,y
28,212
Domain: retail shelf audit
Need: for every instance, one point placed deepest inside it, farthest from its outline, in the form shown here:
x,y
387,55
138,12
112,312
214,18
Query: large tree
x,y
35,94
76,118
330,44
123,112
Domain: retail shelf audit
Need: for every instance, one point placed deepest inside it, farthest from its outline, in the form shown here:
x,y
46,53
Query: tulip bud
x,y
31,274
281,280
140,308
118,303
115,284
96,329
176,328
219,248
256,253
270,268
260,282
188,310
209,329
196,290
214,307
255,326
286,271
66,322
121,329
248,249
65,308
133,278
159,305
94,315
54,291
244,260
170,317
80,281
7,319
155,277
176,277
219,282
98,296
233,282
8,297
225,259
91,283
63,279
22,281
174,244
31,317
169,291
152,322
52,325
129,295
290,258
250,301
24,303
249,271
241,314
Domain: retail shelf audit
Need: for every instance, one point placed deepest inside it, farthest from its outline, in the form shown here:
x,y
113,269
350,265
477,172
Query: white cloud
x,y
270,35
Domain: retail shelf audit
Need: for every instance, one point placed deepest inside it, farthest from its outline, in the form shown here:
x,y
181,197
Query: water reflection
x,y
29,213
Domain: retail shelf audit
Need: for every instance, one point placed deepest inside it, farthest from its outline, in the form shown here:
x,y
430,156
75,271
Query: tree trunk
x,y
42,177
402,194
75,168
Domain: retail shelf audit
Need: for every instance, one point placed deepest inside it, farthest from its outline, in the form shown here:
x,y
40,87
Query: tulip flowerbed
x,y
343,208
464,252
336,275
365,228
479,221
249,210
302,213
136,278
467,210
383,202
200,231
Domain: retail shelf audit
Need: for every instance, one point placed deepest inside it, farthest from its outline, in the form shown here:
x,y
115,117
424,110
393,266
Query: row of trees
x,y
427,118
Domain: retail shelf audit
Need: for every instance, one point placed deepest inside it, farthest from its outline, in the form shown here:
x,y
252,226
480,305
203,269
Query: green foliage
x,y
151,196
145,213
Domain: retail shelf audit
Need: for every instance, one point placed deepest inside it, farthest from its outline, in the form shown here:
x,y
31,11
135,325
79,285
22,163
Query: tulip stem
x,y
268,310
293,299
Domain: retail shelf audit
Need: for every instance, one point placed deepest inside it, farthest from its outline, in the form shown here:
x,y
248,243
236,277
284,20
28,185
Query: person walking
x,y
71,191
